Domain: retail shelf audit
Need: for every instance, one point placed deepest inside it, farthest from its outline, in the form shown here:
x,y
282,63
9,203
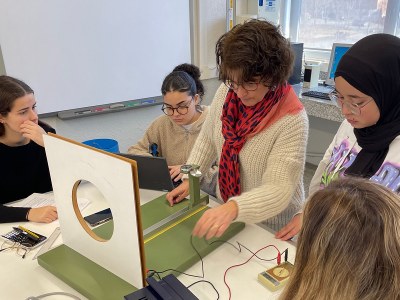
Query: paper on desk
x,y
39,200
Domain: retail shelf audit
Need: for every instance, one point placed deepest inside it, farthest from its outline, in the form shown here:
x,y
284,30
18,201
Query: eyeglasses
x,y
353,107
181,109
248,86
21,249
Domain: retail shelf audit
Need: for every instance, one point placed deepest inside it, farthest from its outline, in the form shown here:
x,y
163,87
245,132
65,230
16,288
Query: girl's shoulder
x,y
345,131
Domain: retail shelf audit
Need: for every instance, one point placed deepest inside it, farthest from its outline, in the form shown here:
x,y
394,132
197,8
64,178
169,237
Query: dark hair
x,y
184,78
10,90
255,48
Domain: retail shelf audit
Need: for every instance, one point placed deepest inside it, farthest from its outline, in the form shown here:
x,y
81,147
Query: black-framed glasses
x,y
353,107
181,109
248,85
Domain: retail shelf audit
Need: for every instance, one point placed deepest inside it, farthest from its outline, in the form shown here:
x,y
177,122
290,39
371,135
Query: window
x,y
323,22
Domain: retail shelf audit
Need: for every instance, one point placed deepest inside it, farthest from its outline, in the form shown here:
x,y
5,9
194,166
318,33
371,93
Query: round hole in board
x,y
102,231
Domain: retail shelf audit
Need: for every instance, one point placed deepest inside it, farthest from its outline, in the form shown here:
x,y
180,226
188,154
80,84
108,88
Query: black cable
x,y
53,294
239,249
174,270
154,272
190,285
286,254
181,272
201,259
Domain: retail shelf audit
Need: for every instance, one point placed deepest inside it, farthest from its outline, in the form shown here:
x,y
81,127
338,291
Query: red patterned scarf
x,y
240,122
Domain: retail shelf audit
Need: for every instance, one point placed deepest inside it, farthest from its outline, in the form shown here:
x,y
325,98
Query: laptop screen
x,y
337,52
153,172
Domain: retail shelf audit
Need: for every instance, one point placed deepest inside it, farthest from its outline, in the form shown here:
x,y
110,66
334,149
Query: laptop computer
x,y
153,172
338,50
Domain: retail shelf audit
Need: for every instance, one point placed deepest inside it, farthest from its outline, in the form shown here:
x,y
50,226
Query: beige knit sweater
x,y
271,165
175,143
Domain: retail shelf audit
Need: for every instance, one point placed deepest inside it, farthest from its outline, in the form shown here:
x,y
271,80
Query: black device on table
x,y
24,237
167,288
153,172
99,217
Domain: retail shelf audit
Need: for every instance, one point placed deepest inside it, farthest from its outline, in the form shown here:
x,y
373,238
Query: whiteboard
x,y
76,53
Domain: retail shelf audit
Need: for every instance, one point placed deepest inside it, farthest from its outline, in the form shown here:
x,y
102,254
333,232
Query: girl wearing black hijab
x,y
367,144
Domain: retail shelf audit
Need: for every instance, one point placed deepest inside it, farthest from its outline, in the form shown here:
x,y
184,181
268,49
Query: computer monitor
x,y
338,49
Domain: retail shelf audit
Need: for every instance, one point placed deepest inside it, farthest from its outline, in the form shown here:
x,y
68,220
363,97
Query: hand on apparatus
x,y
215,221
33,132
178,193
175,172
291,229
45,214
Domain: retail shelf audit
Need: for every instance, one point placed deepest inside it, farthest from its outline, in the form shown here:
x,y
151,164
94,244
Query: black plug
x,y
150,273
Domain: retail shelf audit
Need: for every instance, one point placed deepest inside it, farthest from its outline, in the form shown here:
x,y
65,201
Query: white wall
x,y
107,54
126,126
210,25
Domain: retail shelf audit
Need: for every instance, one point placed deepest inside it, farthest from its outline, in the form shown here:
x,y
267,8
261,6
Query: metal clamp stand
x,y
194,184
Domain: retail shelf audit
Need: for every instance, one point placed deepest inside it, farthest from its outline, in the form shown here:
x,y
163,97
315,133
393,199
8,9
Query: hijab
x,y
372,65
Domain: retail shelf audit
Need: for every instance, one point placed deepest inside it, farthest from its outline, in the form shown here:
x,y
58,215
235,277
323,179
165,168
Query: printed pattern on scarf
x,y
238,121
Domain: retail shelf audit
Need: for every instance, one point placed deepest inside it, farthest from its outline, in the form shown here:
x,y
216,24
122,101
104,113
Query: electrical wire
x,y
181,272
245,262
206,281
239,248
154,272
53,294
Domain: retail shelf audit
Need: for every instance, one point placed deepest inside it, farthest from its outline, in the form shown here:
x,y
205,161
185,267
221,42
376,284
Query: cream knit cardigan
x,y
271,164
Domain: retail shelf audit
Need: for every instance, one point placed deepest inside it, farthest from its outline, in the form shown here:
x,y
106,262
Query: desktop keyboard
x,y
316,94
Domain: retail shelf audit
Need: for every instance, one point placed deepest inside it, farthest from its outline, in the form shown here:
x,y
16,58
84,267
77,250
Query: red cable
x,y
254,254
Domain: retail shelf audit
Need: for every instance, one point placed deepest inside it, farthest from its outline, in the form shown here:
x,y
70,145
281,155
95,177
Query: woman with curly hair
x,y
256,129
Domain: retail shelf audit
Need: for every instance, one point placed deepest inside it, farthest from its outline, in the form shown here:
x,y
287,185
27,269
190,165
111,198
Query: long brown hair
x,y
10,90
349,245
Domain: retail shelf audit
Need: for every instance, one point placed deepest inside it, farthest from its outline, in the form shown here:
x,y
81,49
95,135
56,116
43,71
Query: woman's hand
x,y
291,229
33,132
215,221
178,193
45,214
175,172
